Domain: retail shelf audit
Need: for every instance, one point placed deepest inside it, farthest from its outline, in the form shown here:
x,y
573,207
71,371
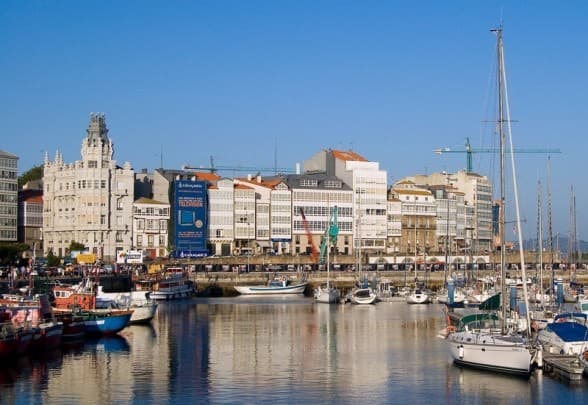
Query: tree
x,y
52,260
73,246
34,173
11,253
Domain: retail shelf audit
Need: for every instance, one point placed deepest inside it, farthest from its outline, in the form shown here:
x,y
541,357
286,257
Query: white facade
x,y
369,185
477,191
244,224
8,196
221,218
150,227
317,195
281,218
89,201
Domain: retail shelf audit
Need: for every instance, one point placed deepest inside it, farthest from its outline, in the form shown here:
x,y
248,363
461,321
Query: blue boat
x,y
106,322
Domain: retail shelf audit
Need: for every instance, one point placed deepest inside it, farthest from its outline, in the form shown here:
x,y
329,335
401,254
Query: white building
x,y
150,227
273,213
316,195
221,218
477,191
244,209
8,196
89,201
369,185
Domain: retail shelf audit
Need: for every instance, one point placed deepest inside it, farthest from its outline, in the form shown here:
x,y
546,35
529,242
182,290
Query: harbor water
x,y
273,350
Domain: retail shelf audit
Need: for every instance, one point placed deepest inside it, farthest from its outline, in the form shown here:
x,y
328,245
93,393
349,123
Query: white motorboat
x,y
567,334
417,296
363,295
276,286
144,308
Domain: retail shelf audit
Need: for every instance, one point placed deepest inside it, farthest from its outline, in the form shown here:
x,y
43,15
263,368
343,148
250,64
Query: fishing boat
x,y
173,285
32,317
482,339
80,301
280,285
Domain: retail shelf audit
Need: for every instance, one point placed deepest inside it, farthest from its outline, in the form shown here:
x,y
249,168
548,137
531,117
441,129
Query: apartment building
x,y
8,196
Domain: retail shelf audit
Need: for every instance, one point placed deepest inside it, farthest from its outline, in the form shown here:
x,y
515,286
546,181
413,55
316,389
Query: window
x,y
139,240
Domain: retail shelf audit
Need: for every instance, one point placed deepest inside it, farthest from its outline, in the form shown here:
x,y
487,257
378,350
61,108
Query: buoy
x,y
460,352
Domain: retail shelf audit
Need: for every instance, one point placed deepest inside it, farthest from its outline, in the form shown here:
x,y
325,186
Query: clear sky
x,y
240,80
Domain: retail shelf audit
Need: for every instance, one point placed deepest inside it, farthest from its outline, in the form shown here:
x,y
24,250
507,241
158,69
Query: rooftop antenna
x,y
275,156
161,157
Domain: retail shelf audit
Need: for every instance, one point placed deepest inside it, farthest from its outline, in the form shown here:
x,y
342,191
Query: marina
x,y
249,349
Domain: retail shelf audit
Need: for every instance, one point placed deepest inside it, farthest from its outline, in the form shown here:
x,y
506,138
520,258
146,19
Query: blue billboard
x,y
190,214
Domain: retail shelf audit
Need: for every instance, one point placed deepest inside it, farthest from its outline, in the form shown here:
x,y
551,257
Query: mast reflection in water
x,y
274,349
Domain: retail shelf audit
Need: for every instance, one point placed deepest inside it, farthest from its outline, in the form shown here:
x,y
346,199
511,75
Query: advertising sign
x,y
130,257
86,258
190,219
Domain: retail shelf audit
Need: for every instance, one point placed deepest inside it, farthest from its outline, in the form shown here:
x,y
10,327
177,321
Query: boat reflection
x,y
107,344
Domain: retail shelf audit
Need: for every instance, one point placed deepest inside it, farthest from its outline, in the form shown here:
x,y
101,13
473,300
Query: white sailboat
x,y
328,294
481,340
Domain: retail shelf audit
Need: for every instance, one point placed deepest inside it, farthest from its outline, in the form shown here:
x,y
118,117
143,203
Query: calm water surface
x,y
273,350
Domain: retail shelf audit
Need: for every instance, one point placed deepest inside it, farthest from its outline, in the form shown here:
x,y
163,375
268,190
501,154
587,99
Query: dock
x,y
566,367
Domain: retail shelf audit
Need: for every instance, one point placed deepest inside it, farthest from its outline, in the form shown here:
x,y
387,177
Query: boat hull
x,y
172,294
495,354
271,290
327,295
143,313
363,296
417,298
106,323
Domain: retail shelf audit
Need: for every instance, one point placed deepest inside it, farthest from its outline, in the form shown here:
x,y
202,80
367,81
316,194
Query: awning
x,y
264,243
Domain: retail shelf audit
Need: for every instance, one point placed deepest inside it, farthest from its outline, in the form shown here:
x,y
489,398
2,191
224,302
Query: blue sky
x,y
392,80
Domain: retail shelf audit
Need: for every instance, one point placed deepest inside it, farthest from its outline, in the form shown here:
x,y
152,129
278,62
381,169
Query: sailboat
x,y
328,294
362,294
418,295
482,340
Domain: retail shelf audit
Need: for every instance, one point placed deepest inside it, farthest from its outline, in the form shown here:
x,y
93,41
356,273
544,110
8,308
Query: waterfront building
x,y
150,227
30,216
477,191
245,219
89,201
273,213
8,196
221,217
316,194
394,216
369,189
418,212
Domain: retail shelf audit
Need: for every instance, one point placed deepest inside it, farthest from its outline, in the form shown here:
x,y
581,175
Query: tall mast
x,y
549,227
540,242
501,216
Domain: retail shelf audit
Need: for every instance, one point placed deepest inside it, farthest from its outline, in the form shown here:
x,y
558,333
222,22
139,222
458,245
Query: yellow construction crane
x,y
469,151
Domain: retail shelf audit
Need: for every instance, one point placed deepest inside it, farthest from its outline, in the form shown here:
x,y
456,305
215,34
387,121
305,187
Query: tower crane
x,y
212,168
314,252
469,151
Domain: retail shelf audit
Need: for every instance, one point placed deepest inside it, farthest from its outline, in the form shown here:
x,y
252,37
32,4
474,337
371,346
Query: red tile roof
x,y
348,155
